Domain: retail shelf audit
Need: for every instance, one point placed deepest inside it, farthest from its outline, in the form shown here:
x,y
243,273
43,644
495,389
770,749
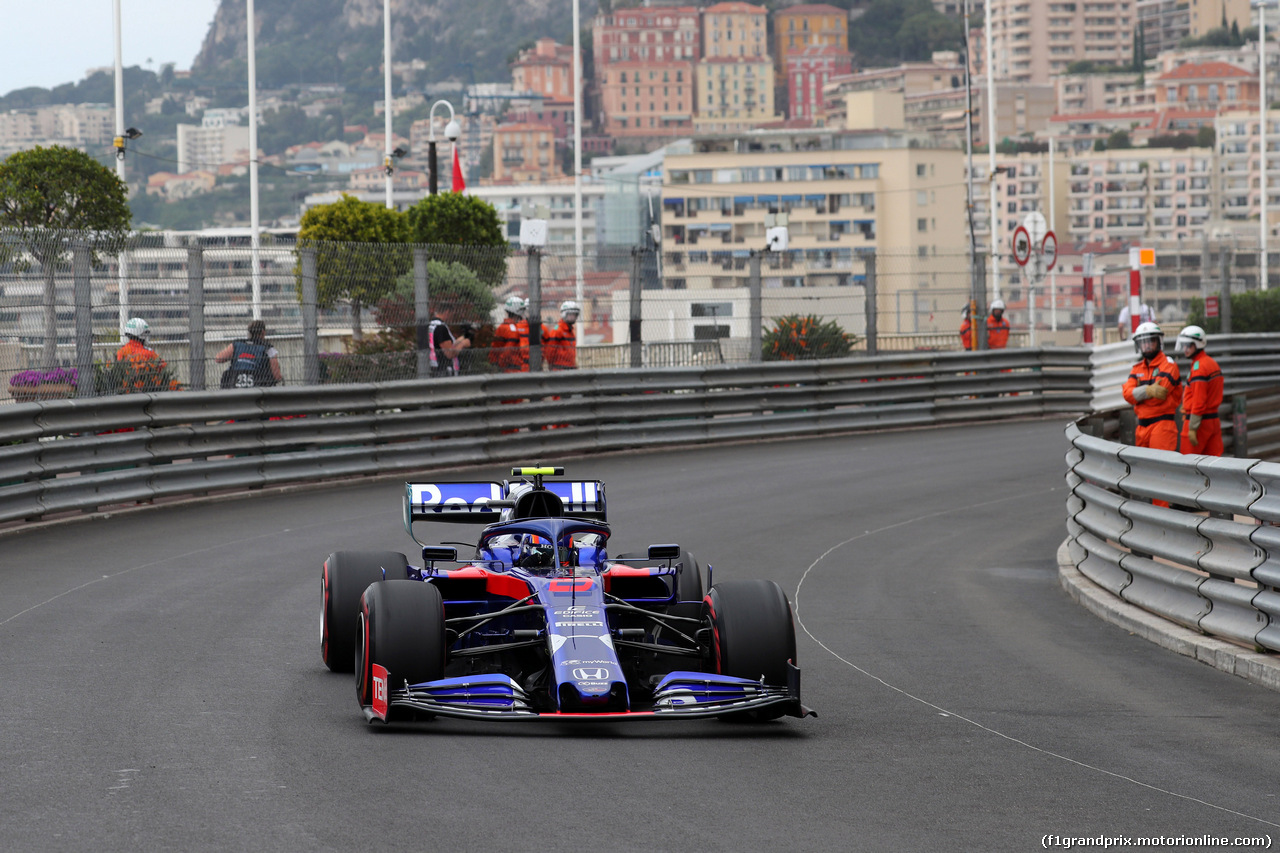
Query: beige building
x,y
734,93
1166,22
1094,93
845,193
1026,183
1238,166
1141,194
735,29
945,70
525,152
1021,111
89,127
1033,41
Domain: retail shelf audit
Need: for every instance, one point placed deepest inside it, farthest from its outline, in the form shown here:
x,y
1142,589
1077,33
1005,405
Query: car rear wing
x,y
483,502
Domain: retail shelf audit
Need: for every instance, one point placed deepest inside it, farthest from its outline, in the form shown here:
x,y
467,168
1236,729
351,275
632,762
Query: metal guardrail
x,y
86,454
1210,561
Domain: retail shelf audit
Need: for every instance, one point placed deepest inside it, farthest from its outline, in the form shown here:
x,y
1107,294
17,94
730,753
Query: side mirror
x,y
432,553
664,552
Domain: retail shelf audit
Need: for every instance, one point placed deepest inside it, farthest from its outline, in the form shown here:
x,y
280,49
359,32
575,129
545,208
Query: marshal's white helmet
x,y
997,305
1147,339
516,306
570,307
136,327
1191,336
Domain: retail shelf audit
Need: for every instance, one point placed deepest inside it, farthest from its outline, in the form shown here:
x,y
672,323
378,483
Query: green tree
x,y
360,252
1118,140
53,198
456,219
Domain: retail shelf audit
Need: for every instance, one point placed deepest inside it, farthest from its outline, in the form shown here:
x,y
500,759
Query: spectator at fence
x,y
997,326
445,345
1201,430
1124,323
510,351
966,329
1154,389
560,345
254,361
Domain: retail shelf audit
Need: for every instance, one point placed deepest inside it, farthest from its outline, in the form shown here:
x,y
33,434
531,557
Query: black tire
x,y
753,634
342,581
688,582
401,628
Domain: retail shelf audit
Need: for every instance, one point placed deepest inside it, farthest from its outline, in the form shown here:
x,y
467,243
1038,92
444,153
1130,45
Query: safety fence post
x,y
534,314
755,314
1088,299
1240,426
635,321
310,319
870,307
195,307
84,320
422,311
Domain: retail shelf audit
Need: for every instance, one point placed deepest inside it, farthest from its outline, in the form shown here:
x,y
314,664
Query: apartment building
x,y
808,73
944,70
734,93
1206,85
1166,22
208,147
1141,194
524,153
1021,110
1095,93
644,69
735,30
1033,41
1026,182
806,25
1239,165
845,193
545,69
89,127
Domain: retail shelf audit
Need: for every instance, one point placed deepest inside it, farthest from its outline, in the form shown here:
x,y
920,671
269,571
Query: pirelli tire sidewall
x,y
343,579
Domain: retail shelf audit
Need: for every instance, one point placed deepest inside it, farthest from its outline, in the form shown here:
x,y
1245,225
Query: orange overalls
x,y
560,346
997,332
510,349
966,340
1155,417
1201,400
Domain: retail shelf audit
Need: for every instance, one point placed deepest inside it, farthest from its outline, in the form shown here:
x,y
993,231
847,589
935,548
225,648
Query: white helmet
x,y
516,306
997,305
1147,339
570,307
136,327
1191,336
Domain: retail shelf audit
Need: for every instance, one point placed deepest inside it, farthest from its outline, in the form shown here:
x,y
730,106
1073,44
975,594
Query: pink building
x,y
807,72
644,69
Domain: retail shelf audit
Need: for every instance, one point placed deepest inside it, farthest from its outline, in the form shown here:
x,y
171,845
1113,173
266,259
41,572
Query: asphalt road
x,y
161,685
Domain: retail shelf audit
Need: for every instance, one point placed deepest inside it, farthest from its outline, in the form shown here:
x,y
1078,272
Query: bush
x,y
1251,311
794,337
133,376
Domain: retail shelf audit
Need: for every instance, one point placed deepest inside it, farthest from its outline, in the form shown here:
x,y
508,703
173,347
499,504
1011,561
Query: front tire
x,y
400,628
342,581
753,635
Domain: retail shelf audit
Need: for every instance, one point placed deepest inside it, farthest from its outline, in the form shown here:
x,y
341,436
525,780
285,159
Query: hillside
x,y
340,41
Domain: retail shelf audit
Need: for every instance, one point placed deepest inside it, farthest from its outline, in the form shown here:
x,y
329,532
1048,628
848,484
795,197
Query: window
x,y
922,197
922,225
920,170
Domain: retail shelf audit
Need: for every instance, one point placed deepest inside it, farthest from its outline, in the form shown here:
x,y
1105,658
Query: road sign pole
x,y
1135,291
1088,299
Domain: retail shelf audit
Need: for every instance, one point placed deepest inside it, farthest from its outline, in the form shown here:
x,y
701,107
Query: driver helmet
x,y
1147,339
137,328
1191,336
536,552
570,310
516,306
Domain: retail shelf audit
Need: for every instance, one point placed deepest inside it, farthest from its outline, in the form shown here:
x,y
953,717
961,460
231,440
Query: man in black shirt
x,y
445,346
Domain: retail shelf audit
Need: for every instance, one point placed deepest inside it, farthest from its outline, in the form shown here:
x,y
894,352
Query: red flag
x,y
459,184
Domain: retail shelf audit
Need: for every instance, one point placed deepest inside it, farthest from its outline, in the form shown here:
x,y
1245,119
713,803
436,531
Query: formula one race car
x,y
541,623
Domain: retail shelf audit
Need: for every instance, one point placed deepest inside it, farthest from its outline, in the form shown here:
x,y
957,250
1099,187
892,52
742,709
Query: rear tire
x,y
753,633
688,582
342,581
401,628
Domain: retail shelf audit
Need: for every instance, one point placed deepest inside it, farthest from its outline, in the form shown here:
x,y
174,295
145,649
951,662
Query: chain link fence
x,y
351,312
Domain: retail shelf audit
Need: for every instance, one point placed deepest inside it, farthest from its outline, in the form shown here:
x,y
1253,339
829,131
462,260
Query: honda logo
x,y
595,674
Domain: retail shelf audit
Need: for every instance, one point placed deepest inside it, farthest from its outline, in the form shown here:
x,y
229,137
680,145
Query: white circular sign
x,y
1049,249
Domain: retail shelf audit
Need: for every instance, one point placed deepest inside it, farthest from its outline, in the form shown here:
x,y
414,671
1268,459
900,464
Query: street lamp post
x,y
452,130
254,239
386,104
1263,270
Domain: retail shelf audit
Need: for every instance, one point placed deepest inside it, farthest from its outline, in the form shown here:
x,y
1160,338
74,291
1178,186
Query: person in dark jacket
x,y
254,361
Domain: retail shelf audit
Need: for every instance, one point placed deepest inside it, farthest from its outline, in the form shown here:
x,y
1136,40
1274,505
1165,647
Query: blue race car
x,y
542,623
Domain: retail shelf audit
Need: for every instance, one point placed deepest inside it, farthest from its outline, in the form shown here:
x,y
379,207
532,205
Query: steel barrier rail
x,y
85,454
1210,561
